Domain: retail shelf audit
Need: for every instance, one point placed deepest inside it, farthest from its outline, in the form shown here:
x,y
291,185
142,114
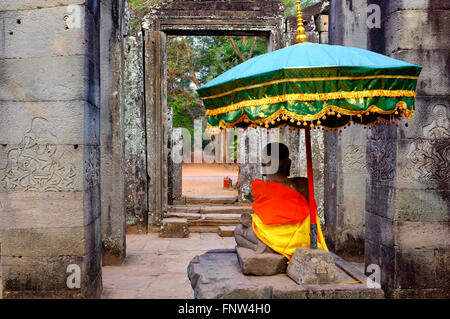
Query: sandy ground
x,y
207,179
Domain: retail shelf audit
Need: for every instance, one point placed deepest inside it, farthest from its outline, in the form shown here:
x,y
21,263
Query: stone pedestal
x,y
312,266
266,264
217,274
174,228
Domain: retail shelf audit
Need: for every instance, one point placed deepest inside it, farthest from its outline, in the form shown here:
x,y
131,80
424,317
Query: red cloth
x,y
277,204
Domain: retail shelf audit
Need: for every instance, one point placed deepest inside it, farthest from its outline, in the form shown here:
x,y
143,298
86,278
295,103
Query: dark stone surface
x,y
265,264
312,266
217,275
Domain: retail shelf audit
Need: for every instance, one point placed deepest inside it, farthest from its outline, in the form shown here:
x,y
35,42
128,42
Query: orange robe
x,y
281,218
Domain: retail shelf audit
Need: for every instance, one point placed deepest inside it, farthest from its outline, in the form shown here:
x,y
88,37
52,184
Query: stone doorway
x,y
189,18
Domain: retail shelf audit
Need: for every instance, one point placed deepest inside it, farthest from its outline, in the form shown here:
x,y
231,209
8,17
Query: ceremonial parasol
x,y
311,86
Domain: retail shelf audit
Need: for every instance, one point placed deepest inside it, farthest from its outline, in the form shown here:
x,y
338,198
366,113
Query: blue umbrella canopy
x,y
311,85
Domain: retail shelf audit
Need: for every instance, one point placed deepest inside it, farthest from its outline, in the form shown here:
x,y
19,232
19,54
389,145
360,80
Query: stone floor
x,y
157,267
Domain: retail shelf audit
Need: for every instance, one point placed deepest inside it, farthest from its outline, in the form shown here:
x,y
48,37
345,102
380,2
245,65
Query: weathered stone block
x,y
53,37
217,274
174,228
411,29
415,269
434,79
37,4
322,23
52,241
226,231
421,293
442,260
59,119
25,210
46,277
379,199
395,5
82,84
421,205
31,169
380,229
266,264
422,235
311,266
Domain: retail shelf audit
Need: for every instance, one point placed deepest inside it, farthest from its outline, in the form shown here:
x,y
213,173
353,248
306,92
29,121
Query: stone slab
x,y
401,25
217,275
174,228
225,209
266,264
37,4
52,37
226,231
219,200
312,266
65,120
71,78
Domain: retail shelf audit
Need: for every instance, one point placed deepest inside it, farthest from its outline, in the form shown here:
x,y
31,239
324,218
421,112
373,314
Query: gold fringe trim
x,y
213,130
310,97
337,78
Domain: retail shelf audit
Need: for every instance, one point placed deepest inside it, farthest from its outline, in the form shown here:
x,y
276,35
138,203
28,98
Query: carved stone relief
x,y
38,163
354,159
429,159
381,160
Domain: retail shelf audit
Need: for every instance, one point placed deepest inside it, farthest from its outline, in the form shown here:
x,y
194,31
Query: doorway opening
x,y
212,168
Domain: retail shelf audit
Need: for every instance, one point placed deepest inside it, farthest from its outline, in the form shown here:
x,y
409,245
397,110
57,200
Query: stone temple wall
x,y
407,193
404,170
49,148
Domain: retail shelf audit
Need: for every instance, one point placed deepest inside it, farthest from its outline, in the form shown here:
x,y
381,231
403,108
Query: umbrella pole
x,y
312,201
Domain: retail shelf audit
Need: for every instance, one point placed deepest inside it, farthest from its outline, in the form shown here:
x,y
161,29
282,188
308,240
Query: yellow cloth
x,y
285,238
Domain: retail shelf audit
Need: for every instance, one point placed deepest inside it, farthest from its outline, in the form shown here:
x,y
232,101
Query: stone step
x,y
174,228
226,231
207,200
216,220
205,219
188,216
216,209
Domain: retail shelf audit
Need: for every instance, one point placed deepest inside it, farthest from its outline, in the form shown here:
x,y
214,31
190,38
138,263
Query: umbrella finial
x,y
301,32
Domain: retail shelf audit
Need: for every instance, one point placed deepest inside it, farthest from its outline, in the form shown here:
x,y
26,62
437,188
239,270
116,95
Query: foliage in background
x,y
193,61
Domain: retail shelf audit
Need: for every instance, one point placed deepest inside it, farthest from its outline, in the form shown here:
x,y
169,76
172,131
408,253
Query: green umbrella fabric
x,y
310,85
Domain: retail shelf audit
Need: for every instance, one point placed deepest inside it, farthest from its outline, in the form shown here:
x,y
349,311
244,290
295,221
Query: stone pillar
x,y
112,132
156,124
345,173
249,159
49,154
407,208
135,146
